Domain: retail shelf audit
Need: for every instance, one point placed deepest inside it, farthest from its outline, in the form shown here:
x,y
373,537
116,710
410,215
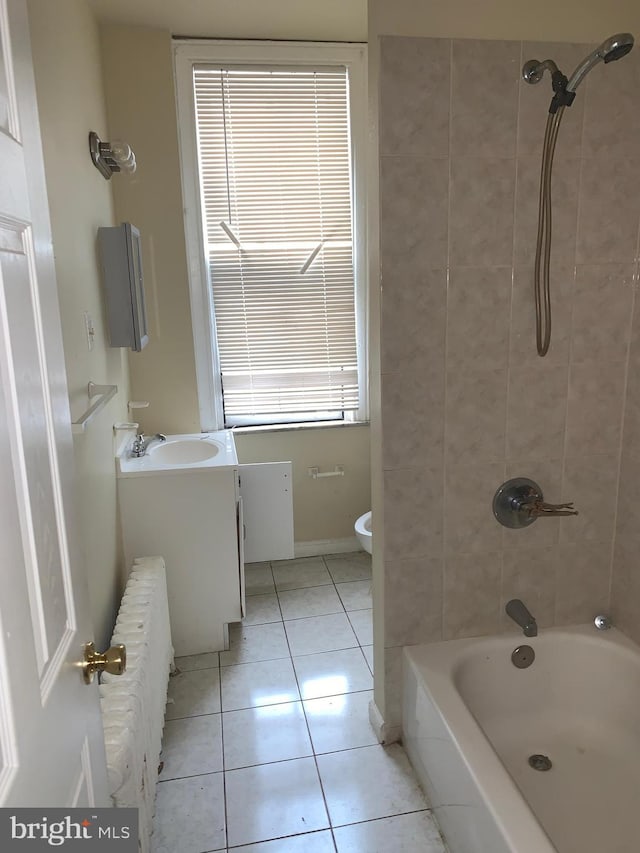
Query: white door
x,y
51,747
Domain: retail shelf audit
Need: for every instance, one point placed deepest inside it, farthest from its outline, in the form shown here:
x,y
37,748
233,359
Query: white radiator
x,y
133,704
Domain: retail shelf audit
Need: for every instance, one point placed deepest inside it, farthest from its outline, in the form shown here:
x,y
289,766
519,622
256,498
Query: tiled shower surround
x,y
466,401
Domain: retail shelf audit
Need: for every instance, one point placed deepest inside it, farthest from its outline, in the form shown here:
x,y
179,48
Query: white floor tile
x,y
355,595
193,693
340,722
191,746
332,673
410,833
368,653
258,579
263,735
274,800
191,662
362,624
349,567
320,634
262,609
189,815
255,642
296,574
364,784
312,842
311,601
251,685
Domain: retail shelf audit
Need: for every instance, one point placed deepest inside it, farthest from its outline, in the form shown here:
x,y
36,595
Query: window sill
x,y
252,430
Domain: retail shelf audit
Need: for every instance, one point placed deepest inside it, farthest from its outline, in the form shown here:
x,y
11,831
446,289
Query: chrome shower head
x,y
615,47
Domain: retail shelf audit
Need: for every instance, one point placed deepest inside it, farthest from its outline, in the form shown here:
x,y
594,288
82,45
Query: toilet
x,y
363,531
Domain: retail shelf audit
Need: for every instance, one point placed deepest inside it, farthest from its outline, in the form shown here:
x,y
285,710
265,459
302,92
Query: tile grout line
x,y
306,722
313,754
291,656
296,619
279,838
224,773
318,831
191,776
291,702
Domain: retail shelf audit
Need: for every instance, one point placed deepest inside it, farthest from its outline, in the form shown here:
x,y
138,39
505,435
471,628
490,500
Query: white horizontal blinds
x,y
274,163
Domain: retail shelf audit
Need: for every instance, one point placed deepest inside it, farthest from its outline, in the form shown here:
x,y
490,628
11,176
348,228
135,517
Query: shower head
x,y
611,49
616,47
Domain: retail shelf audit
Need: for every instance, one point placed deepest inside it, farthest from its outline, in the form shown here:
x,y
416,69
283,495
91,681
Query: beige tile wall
x,y
625,588
466,402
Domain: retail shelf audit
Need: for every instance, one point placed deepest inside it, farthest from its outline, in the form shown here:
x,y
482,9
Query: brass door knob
x,y
113,661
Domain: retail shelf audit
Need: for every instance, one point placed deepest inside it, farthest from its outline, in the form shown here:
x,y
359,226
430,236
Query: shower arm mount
x,y
564,96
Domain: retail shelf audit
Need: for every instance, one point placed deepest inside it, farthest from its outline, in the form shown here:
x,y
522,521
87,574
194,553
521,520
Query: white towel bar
x,y
104,394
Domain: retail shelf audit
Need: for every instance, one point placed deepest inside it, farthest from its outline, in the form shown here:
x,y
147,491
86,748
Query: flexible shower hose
x,y
543,246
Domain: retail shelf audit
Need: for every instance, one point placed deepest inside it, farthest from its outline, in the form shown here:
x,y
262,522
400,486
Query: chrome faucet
x,y
518,611
141,444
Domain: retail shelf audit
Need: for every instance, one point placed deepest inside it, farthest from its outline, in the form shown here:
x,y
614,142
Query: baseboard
x,y
385,734
319,547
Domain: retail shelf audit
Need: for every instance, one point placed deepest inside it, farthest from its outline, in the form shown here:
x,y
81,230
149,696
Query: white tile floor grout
x,y
267,746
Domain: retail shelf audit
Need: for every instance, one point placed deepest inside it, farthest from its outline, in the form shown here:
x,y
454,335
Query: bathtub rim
x,y
508,809
434,667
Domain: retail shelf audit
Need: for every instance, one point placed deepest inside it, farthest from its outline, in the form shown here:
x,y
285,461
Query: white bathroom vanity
x,y
181,501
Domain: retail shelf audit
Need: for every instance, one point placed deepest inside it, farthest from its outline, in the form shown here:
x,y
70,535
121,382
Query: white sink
x,y
183,451
191,452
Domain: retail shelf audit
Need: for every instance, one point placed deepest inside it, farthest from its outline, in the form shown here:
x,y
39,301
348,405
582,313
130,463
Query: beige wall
x,y
546,20
459,161
138,71
331,20
138,80
325,508
66,54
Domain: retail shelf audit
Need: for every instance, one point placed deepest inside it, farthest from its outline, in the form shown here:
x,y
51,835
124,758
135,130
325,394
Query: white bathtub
x,y
472,719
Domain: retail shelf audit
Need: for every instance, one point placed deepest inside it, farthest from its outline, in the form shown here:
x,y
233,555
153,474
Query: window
x,y
275,232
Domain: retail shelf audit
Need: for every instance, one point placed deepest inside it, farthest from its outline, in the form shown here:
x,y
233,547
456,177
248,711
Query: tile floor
x,y
268,747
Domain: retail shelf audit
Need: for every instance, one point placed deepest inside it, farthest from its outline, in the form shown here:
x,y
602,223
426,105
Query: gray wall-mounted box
x,y
121,256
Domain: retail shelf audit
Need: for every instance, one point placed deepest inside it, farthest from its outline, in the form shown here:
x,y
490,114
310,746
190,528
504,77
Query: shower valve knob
x,y
519,501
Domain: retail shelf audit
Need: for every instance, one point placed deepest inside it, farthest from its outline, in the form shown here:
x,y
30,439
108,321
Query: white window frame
x,y
188,53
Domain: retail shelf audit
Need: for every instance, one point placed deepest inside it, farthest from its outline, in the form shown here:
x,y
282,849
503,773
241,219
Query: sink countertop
x,y
143,466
